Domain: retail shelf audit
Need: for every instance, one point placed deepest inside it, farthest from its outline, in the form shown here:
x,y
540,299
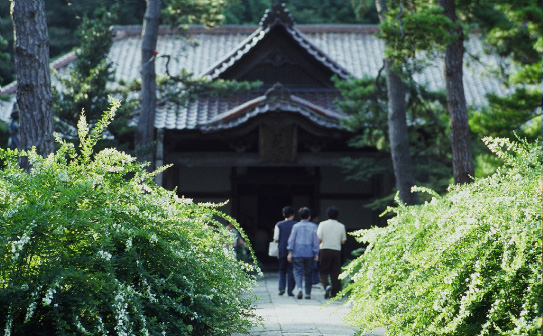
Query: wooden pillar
x,y
234,195
316,189
159,179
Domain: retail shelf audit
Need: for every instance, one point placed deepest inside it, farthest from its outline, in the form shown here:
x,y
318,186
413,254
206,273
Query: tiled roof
x,y
205,112
278,15
216,113
346,49
6,106
354,47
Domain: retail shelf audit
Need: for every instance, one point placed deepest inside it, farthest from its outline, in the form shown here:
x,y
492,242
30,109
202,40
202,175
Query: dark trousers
x,y
330,266
286,276
303,269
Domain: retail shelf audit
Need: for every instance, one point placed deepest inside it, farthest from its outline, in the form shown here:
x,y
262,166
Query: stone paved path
x,y
284,315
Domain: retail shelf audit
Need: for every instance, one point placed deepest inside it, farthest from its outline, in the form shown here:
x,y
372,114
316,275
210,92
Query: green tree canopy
x,y
88,82
513,33
4,56
365,103
304,12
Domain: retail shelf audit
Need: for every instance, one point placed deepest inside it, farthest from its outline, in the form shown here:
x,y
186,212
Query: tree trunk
x,y
456,102
146,124
398,136
34,94
397,127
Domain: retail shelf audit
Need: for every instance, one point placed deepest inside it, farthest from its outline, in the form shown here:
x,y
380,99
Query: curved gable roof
x,y
276,99
278,15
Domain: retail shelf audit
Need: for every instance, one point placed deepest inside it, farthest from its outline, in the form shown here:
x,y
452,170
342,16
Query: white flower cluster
x,y
80,326
149,292
117,227
128,244
194,316
104,255
120,306
32,307
101,326
36,164
30,311
18,245
150,216
9,324
63,177
48,298
8,214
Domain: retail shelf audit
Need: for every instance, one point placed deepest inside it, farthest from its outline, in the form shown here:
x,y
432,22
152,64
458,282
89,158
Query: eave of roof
x,y
206,109
59,63
276,99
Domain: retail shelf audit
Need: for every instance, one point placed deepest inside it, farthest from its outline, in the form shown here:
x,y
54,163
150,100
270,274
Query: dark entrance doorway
x,y
261,195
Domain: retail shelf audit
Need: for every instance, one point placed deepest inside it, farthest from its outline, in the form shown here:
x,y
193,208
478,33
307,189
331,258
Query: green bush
x,y
467,263
91,246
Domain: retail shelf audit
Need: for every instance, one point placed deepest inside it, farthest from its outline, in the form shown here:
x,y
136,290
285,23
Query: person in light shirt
x,y
331,235
303,249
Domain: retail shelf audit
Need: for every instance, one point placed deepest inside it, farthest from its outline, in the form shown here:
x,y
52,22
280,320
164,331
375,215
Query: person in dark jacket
x,y
280,235
13,141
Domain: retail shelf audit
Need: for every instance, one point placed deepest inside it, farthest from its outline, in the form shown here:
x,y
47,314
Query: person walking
x,y
238,245
303,250
13,128
281,234
315,275
331,235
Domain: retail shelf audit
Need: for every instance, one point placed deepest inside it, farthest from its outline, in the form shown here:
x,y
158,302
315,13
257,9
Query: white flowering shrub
x,y
466,263
89,245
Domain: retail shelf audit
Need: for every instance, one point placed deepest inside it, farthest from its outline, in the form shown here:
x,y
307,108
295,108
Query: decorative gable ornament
x,y
277,14
278,24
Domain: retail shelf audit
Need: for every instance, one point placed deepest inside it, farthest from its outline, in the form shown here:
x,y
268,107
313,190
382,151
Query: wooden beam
x,y
221,159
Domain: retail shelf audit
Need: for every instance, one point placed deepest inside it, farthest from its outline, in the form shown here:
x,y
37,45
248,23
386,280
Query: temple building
x,y
282,143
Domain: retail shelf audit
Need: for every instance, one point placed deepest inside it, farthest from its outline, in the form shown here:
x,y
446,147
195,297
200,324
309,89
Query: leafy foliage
x,y
4,134
63,19
180,13
4,56
365,102
85,87
467,263
414,28
7,63
304,12
89,245
509,115
245,11
184,87
512,31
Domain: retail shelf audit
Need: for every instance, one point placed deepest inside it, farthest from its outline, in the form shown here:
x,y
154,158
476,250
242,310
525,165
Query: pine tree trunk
x,y
397,127
398,136
463,170
34,94
146,127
